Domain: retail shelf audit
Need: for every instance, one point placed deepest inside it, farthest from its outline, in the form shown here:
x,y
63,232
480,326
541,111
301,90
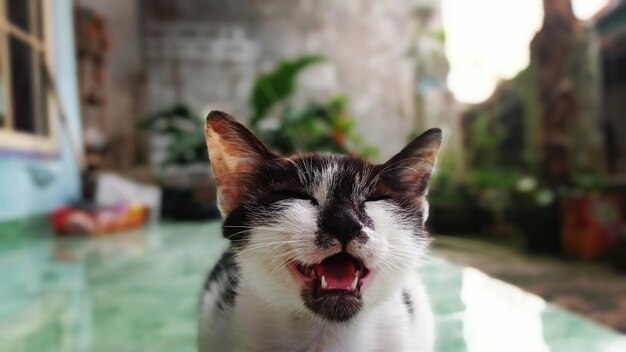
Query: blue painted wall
x,y
32,185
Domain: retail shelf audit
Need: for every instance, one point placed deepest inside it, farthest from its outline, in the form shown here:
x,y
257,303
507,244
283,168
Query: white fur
x,y
269,314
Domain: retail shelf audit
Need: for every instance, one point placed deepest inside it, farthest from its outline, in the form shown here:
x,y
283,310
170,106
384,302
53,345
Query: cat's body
x,y
323,250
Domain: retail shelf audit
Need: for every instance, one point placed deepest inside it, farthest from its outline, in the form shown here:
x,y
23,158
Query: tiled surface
x,y
478,313
138,292
593,289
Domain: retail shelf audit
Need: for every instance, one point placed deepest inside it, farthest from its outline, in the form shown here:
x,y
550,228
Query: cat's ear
x,y
234,153
410,169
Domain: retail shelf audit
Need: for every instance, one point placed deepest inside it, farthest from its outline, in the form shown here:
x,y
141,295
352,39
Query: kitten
x,y
323,248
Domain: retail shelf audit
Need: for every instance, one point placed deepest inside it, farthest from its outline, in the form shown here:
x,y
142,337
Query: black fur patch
x,y
225,274
408,302
333,307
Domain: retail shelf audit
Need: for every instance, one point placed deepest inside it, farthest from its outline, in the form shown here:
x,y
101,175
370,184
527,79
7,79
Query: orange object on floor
x,y
98,221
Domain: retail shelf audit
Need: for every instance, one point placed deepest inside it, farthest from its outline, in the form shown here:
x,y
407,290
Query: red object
x,y
96,221
591,224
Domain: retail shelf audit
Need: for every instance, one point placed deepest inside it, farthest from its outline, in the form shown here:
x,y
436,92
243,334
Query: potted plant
x,y
188,188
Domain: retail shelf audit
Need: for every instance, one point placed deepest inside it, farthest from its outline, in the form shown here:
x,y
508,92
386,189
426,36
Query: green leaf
x,y
272,87
185,130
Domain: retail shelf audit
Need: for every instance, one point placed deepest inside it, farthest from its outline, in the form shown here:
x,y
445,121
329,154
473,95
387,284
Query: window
x,y
24,93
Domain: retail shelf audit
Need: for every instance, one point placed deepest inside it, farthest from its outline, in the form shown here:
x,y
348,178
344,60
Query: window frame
x,y
10,139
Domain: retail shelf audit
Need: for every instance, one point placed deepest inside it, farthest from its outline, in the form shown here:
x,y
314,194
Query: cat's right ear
x,y
234,152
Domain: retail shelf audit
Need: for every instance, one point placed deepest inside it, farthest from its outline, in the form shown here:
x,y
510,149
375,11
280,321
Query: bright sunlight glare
x,y
488,41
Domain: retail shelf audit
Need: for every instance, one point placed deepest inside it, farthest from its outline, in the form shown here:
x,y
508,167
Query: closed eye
x,y
288,194
377,197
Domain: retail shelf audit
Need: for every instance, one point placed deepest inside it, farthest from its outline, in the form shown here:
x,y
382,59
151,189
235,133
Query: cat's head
x,y
328,234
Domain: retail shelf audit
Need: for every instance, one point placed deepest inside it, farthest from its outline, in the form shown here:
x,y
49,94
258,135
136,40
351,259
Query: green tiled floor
x,y
138,292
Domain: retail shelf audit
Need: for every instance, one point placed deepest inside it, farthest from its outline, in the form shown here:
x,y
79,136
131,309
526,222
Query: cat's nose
x,y
344,226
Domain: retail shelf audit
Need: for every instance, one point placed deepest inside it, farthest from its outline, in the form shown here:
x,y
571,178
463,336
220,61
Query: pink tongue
x,y
338,270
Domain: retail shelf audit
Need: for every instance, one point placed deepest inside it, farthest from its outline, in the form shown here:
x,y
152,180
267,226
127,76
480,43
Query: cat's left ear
x,y
410,169
234,153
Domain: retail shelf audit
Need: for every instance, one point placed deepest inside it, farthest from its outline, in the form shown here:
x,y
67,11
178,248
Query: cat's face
x,y
328,234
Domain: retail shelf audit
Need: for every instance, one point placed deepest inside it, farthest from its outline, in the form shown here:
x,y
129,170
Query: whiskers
x,y
273,245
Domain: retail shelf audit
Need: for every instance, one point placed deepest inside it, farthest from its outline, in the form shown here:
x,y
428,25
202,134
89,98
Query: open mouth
x,y
339,274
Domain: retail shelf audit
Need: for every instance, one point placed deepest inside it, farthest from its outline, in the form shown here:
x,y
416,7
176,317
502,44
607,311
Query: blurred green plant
x,y
317,126
486,139
184,129
515,195
438,35
279,84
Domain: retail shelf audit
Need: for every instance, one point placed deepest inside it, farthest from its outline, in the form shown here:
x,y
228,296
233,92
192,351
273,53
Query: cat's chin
x,y
332,288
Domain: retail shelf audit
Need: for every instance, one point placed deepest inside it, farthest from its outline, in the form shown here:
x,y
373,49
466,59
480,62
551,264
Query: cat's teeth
x,y
355,282
324,284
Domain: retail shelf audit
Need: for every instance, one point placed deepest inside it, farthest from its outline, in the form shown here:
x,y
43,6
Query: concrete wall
x,y
32,185
207,53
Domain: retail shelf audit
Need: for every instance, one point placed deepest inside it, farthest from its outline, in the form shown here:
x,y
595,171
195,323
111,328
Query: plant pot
x,y
619,256
457,219
592,224
540,225
189,193
183,205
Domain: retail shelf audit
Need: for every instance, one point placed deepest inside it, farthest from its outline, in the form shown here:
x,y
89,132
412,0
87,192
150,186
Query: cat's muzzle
x,y
332,288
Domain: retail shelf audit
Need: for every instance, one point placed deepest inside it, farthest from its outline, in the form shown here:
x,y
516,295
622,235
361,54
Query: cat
x,y
323,249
